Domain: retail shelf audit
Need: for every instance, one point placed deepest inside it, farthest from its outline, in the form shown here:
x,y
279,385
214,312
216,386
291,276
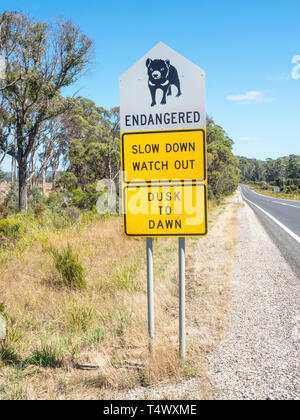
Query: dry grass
x,y
94,341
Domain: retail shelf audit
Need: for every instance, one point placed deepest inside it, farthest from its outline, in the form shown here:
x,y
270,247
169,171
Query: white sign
x,y
162,91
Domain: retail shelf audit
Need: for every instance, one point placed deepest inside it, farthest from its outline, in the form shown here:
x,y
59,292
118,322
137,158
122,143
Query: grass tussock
x,y
69,267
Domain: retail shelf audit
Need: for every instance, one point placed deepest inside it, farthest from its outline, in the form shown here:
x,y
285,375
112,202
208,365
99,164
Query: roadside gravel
x,y
259,357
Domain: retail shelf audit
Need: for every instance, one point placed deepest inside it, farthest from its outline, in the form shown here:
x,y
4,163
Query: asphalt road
x,y
281,220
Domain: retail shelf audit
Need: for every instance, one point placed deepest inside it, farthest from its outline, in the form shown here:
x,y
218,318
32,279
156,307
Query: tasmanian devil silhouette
x,y
162,75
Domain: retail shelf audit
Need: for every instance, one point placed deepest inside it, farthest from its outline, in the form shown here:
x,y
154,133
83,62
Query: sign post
x,y
163,151
182,297
150,293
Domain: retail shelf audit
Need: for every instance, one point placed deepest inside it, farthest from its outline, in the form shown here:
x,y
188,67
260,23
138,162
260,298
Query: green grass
x,y
46,357
8,356
96,335
80,318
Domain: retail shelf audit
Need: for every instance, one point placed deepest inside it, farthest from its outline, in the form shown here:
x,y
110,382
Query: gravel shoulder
x,y
259,357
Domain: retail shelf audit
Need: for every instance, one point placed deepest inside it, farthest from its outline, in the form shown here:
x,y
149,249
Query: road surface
x,y
281,220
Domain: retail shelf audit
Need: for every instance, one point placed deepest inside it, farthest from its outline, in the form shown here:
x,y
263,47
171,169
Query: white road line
x,y
287,230
285,204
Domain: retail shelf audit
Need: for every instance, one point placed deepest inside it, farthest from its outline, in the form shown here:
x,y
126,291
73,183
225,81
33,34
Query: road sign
x,y
165,210
152,156
162,91
163,138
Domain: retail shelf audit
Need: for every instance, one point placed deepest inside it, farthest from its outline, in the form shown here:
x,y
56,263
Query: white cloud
x,y
254,96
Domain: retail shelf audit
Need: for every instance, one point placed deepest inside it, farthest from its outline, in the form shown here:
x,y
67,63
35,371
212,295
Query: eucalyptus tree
x,y
40,59
94,144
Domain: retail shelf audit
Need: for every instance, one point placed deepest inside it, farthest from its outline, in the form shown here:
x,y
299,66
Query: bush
x,y
11,198
65,181
3,176
38,211
35,196
86,199
3,210
68,265
58,200
9,230
73,215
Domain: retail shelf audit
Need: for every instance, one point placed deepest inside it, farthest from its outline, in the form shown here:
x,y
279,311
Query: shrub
x,y
56,200
11,198
3,210
9,231
3,176
73,214
80,198
35,196
68,265
38,211
65,181
86,199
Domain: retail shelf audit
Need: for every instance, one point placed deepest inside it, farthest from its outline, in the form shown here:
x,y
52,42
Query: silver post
x,y
150,293
182,297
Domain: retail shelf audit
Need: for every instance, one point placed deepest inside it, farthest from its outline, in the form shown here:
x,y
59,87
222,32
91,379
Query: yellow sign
x,y
153,156
169,209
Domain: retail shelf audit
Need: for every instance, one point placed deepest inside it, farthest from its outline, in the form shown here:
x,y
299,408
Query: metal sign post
x,y
182,298
150,293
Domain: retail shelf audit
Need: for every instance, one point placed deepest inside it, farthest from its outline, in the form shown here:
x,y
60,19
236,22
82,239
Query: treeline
x,y
223,166
283,172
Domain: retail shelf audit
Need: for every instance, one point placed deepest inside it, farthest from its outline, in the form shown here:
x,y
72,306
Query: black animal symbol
x,y
162,75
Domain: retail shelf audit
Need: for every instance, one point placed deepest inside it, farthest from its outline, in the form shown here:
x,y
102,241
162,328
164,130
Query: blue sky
x,y
246,48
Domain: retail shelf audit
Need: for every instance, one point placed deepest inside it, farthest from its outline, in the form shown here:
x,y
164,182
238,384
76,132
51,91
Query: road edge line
x,y
287,230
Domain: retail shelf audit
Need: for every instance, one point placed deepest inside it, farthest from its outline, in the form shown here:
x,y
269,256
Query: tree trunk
x,y
32,171
44,181
54,173
23,186
13,170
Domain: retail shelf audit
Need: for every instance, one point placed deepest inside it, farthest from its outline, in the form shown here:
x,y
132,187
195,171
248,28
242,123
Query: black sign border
x,y
181,184
163,131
